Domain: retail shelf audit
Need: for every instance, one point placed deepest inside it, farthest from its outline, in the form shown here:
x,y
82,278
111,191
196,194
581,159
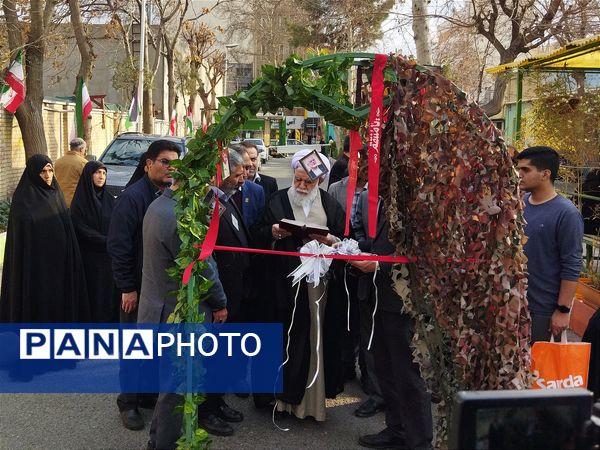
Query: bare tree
x,y
124,16
421,31
174,17
86,51
26,26
206,66
464,56
516,27
341,25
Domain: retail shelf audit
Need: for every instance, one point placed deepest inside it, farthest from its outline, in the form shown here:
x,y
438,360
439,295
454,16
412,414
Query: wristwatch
x,y
563,309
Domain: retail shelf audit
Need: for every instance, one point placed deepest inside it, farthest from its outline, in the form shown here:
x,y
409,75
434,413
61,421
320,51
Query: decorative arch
x,y
451,194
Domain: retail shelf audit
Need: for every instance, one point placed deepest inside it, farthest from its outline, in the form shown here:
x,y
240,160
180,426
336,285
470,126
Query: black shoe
x,y
215,426
229,414
369,408
242,395
147,401
132,419
384,439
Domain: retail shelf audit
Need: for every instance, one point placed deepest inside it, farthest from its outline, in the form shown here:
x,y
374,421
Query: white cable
x,y
347,295
375,308
318,338
287,358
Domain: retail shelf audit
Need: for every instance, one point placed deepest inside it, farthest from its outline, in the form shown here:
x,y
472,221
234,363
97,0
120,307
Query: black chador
x,y
42,277
91,209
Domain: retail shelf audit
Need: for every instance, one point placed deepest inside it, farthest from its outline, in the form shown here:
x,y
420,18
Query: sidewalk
x,y
43,421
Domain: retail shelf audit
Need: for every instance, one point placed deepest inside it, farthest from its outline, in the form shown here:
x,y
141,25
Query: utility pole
x,y
140,87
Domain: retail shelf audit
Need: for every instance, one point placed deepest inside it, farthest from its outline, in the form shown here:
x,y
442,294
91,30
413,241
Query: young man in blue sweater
x,y
554,233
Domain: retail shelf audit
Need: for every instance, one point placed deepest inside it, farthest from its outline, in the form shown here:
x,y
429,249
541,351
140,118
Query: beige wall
x,y
58,120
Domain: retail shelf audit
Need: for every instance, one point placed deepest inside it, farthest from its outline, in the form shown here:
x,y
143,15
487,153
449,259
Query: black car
x,y
122,156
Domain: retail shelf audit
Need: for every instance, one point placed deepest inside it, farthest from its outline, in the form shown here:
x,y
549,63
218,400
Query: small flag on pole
x,y
173,126
83,106
189,122
132,115
13,90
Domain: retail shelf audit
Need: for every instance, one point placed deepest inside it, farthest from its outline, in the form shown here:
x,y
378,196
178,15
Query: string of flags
x,y
132,114
12,95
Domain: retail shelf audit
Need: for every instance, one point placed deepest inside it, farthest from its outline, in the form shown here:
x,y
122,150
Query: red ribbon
x,y
380,258
213,228
355,146
374,138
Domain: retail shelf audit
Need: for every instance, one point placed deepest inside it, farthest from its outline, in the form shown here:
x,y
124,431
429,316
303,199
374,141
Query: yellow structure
x,y
577,56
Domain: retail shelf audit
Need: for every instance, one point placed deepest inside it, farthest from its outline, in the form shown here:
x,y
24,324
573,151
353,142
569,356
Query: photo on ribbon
x,y
210,199
313,165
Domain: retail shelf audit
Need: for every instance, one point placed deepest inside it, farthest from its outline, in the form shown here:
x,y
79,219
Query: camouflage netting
x,y
450,190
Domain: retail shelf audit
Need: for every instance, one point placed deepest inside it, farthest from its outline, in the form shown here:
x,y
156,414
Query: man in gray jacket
x,y
161,245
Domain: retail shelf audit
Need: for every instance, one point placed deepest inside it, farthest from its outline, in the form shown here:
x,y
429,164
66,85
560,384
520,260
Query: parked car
x,y
262,149
293,145
122,156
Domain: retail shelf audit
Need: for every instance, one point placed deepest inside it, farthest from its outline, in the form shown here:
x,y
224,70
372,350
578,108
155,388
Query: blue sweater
x,y
554,250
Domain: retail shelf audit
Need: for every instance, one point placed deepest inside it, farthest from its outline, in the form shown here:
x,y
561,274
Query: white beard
x,y
303,200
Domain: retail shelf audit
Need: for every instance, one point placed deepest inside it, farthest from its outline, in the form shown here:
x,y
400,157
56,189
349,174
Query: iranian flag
x,y
189,122
13,90
132,115
83,106
173,126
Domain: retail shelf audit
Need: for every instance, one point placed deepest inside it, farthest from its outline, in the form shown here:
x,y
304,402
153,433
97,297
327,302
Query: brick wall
x,y
58,121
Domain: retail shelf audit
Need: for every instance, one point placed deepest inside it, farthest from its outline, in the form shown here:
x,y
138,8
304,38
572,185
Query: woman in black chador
x,y
42,277
90,211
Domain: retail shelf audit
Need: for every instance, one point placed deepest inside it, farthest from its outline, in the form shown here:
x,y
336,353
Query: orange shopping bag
x,y
559,365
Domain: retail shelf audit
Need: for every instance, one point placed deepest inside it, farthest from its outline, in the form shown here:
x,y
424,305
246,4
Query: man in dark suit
x,y
408,404
157,301
233,232
234,267
269,184
250,197
340,167
124,245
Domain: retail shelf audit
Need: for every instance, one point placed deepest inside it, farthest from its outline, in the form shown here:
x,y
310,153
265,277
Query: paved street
x,y
92,421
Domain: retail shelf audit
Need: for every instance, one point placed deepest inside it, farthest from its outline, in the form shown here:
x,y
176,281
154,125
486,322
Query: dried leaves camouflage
x,y
450,191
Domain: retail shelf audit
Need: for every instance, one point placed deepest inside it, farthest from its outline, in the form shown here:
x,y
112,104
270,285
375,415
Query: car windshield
x,y
125,152
255,141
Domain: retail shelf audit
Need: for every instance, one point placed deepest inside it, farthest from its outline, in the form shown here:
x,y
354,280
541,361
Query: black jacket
x,y
269,185
388,299
339,169
276,301
233,266
124,240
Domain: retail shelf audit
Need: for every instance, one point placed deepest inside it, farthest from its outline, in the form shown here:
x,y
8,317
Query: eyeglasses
x,y
305,181
164,161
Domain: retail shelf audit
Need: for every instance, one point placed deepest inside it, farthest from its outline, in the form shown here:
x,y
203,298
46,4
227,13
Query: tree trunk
x,y
206,107
87,57
494,106
29,114
421,31
172,95
31,122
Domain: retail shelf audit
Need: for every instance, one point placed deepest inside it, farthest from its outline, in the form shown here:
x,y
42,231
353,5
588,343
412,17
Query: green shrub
x,y
4,209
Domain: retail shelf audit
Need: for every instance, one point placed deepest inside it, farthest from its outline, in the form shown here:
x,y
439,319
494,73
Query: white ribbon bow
x,y
312,267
